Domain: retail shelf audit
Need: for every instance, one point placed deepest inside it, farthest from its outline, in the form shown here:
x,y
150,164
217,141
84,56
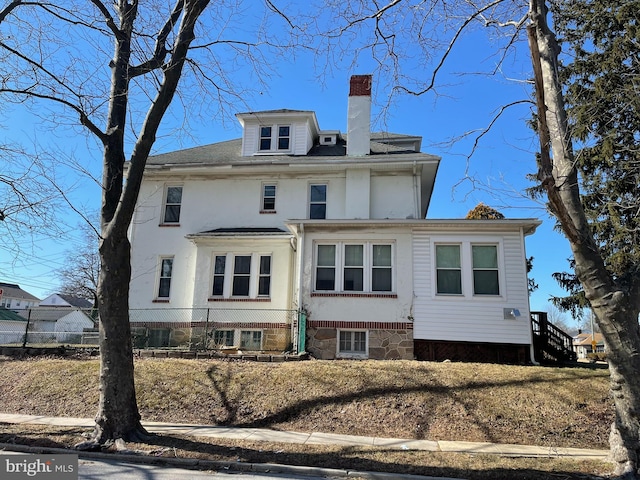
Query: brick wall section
x,y
360,86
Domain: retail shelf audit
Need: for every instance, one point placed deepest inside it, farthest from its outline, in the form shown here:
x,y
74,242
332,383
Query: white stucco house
x,y
291,217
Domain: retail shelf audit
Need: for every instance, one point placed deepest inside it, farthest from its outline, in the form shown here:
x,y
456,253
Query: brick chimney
x,y
359,116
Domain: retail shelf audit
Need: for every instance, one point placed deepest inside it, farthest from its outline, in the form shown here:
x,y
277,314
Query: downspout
x,y
416,190
299,269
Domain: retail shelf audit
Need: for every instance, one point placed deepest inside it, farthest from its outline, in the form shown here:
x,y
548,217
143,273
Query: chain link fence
x,y
165,328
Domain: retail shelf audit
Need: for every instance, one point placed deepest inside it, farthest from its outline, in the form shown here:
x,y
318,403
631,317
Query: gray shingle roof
x,y
13,290
229,153
76,301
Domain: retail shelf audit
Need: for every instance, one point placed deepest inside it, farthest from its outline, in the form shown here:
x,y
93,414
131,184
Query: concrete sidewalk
x,y
318,438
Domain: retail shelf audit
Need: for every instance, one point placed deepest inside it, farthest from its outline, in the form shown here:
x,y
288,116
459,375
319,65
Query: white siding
x,y
469,317
250,140
300,134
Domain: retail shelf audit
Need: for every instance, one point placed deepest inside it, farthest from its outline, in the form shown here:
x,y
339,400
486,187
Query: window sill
x,y
354,356
161,300
354,294
267,211
272,152
236,299
169,225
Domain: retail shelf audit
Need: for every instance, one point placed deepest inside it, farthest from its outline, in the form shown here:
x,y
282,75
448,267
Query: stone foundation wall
x,y
276,339
273,339
384,344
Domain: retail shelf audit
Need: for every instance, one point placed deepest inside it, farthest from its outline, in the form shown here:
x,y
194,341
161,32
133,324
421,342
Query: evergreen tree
x,y
602,77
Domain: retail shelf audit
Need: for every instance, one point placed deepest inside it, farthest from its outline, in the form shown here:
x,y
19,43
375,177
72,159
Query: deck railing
x,y
551,344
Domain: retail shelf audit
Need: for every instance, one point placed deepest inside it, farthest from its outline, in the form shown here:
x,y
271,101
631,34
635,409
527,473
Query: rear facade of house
x,y
293,237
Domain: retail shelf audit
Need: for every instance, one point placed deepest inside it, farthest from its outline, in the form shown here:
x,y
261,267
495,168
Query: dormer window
x,y
275,138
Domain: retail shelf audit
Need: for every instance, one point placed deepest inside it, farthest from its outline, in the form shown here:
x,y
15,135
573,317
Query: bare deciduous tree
x,y
411,42
113,69
80,274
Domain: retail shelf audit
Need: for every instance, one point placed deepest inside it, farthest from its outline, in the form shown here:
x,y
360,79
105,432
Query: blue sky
x,y
495,174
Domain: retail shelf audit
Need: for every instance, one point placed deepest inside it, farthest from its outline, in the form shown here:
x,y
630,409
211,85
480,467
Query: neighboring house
x,y
583,344
12,297
293,217
12,327
60,317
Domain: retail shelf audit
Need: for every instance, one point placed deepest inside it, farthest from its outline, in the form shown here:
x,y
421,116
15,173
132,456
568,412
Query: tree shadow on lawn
x,y
222,382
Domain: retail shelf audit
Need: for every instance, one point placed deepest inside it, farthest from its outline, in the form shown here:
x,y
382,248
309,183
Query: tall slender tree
x,y
394,33
613,297
114,69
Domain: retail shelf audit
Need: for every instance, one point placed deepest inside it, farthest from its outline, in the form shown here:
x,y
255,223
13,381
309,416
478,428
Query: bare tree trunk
x,y
118,416
616,308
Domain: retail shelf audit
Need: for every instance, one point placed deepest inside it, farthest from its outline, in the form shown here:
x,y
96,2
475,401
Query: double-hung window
x,y
164,283
275,138
485,270
172,204
318,201
219,266
448,270
264,276
268,198
354,267
284,137
353,274
467,268
241,276
326,267
265,138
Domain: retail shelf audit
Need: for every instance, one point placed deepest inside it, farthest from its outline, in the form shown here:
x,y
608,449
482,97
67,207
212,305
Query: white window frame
x,y
229,274
161,261
252,331
165,204
274,138
367,266
264,196
351,353
437,269
325,202
236,337
496,269
225,331
466,266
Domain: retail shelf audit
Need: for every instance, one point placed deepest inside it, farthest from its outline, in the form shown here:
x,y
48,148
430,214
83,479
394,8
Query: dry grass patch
x,y
567,407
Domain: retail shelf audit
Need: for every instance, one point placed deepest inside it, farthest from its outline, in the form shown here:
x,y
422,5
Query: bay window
x,y
241,276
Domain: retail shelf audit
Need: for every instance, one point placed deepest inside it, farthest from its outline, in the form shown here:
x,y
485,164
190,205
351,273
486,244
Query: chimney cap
x,y
360,86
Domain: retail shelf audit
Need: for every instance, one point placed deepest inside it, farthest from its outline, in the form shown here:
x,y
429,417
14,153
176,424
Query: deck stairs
x,y
551,344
